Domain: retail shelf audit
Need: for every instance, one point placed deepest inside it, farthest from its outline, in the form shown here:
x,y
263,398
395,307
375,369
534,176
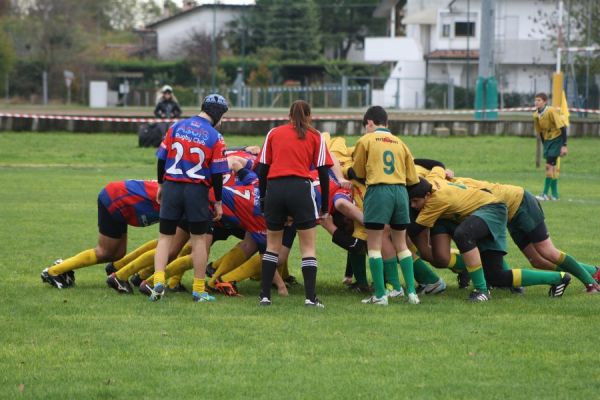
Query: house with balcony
x,y
441,45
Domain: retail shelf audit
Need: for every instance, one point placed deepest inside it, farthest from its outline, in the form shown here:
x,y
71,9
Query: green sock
x,y
591,269
390,273
547,184
376,267
459,263
359,268
571,266
424,274
505,265
554,187
529,277
478,278
408,272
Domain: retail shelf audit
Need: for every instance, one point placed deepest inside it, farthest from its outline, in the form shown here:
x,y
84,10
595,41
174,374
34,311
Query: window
x,y
464,29
446,30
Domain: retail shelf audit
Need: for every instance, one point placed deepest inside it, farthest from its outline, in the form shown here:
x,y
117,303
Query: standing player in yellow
x,y
386,164
553,132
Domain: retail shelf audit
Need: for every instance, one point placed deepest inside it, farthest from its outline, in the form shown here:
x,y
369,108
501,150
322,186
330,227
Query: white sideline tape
x,y
271,118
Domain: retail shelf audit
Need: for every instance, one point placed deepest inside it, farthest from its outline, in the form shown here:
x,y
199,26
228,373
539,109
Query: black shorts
x,y
551,160
290,197
108,225
222,232
189,200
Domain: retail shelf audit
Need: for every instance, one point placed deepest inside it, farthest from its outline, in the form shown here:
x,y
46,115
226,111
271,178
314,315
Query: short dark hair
x,y
420,190
542,96
376,114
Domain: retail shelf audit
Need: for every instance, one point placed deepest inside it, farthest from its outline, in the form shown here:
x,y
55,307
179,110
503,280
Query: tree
x,y
344,23
196,50
7,56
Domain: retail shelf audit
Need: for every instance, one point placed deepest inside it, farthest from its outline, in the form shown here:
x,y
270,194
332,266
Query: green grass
x,y
88,342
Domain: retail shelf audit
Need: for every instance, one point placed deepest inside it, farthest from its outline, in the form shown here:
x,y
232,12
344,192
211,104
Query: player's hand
x,y
346,184
449,174
324,216
159,194
564,151
218,211
289,221
253,150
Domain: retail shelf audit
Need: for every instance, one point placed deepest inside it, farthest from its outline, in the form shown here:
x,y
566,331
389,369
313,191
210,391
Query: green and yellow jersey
x,y
548,123
358,195
452,201
510,195
382,158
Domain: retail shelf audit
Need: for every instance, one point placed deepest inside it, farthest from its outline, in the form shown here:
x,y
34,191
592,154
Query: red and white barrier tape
x,y
273,118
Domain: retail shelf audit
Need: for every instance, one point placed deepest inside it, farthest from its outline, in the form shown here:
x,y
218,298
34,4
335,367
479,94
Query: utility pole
x,y
486,90
213,52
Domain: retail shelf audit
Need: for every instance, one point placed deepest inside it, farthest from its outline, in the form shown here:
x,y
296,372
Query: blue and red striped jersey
x,y
131,201
193,151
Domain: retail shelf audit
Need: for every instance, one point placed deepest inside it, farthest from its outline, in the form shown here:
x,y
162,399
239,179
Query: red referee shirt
x,y
289,156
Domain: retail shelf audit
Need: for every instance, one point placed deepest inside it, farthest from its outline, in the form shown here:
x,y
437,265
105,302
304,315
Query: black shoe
x,y
463,279
477,296
179,288
210,270
135,280
360,288
559,290
57,281
313,303
144,288
291,281
110,269
517,290
69,278
119,285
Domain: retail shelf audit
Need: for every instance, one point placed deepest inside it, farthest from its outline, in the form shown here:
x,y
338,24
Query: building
x,y
204,18
441,45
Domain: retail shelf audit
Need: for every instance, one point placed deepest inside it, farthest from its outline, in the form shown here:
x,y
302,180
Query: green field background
x,y
89,342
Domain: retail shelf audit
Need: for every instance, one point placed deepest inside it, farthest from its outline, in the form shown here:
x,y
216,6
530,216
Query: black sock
x,y
269,265
348,273
309,272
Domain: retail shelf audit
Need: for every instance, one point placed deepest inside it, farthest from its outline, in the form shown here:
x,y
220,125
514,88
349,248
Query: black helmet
x,y
215,106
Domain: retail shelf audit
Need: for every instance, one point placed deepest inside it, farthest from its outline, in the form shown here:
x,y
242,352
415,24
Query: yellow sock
x,y
135,254
147,272
145,260
83,259
174,280
244,271
179,265
198,285
159,277
150,280
185,250
230,261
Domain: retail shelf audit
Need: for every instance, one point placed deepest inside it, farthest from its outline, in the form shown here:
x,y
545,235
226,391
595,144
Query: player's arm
x,y
419,235
339,175
428,163
563,136
349,210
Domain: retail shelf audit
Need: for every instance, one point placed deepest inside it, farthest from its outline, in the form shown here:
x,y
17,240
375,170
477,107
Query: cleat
x,y
210,270
145,288
179,288
227,288
110,269
413,298
552,198
542,197
202,297
476,296
432,288
592,288
381,301
517,290
57,281
559,290
157,292
291,281
463,279
596,276
135,280
360,288
347,281
394,294
118,284
264,301
316,303
69,278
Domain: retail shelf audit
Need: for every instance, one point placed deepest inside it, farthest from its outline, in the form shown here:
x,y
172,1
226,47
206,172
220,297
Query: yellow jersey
x,y
548,123
451,201
510,195
382,158
358,195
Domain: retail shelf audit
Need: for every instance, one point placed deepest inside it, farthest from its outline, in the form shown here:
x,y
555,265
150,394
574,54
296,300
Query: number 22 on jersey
x,y
192,172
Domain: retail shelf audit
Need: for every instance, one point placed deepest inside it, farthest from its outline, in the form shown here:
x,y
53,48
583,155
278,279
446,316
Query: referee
x,y
289,153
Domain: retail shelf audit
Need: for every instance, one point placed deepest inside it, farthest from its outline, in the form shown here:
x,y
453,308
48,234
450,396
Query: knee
x,y
464,240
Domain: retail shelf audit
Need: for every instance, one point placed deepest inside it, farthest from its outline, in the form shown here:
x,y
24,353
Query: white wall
x,y
171,33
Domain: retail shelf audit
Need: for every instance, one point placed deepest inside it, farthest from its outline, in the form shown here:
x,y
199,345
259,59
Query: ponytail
x,y
300,118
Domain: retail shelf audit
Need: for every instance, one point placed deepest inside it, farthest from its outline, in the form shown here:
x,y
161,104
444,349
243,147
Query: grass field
x,y
89,342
